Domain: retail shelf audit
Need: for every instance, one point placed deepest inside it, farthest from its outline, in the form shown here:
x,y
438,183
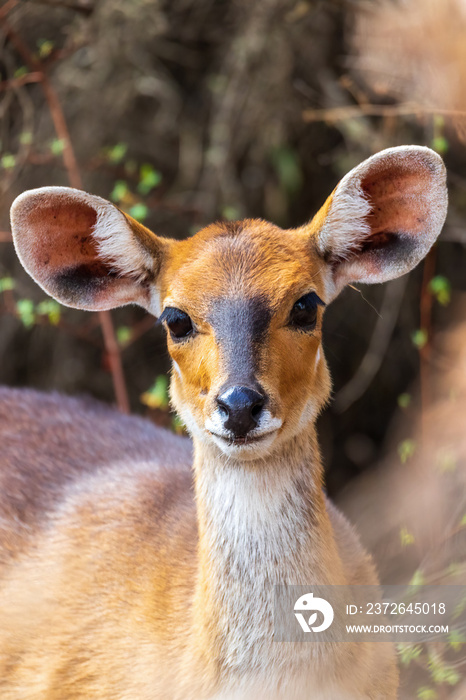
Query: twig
x,y
74,176
84,6
426,325
5,237
10,307
51,96
137,331
334,114
7,7
23,80
114,358
375,353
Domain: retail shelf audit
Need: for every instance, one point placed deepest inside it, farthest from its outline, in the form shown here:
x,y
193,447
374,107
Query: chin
x,y
248,449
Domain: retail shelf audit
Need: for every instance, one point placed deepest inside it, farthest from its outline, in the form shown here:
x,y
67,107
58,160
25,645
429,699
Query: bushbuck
x,y
137,567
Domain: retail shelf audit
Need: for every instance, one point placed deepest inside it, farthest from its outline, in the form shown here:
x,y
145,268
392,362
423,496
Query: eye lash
x,y
315,298
169,314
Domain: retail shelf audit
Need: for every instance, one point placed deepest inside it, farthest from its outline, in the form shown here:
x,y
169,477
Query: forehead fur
x,y
244,258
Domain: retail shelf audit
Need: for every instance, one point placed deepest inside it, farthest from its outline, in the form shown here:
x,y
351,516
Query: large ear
x,y
383,217
84,251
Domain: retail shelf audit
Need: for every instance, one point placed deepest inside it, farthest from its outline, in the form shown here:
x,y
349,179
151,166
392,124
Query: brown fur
x,y
258,260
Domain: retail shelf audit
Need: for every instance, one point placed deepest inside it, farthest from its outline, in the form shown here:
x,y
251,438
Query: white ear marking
x,y
117,244
383,217
348,216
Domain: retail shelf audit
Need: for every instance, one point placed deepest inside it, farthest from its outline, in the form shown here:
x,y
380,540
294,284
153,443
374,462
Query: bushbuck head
x,y
242,301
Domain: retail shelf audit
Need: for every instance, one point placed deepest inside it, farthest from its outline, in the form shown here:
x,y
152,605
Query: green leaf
x,y
455,568
119,192
157,395
177,425
460,607
463,521
124,334
440,287
418,578
406,538
456,639
440,144
148,178
45,47
8,161
51,309
25,138
25,309
404,400
419,338
287,166
116,153
231,213
19,72
408,653
406,450
447,461
440,671
57,146
426,693
139,211
7,284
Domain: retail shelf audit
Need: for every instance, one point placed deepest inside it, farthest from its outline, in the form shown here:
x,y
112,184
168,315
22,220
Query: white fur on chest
x,y
258,533
256,523
294,687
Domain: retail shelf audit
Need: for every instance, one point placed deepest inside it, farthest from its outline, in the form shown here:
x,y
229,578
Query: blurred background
x,y
186,111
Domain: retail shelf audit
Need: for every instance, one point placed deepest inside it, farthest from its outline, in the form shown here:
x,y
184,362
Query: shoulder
x,y
358,564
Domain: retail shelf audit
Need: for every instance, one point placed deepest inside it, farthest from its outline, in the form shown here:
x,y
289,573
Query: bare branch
x,y
375,353
335,114
74,176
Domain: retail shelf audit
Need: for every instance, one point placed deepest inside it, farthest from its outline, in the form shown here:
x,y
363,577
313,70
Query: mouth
x,y
243,440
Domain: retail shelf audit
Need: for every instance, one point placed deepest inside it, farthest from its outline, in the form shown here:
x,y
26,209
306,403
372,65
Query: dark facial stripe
x,y
240,326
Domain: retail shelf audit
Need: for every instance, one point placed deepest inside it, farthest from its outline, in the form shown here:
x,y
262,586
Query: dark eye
x,y
304,312
178,322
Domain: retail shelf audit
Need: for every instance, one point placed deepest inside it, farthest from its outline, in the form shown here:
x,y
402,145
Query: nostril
x,y
222,409
257,410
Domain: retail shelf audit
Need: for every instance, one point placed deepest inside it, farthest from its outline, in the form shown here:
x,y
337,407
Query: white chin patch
x,y
256,442
252,448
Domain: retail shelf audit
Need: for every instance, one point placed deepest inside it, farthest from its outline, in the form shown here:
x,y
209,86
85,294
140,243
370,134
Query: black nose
x,y
241,408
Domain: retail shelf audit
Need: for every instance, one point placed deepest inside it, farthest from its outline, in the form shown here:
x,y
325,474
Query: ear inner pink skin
x,y
383,217
82,250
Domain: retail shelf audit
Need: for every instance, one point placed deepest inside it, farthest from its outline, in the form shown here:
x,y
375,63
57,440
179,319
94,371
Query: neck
x,y
264,520
260,524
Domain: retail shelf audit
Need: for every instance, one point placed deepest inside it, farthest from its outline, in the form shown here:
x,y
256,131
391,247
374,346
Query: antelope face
x,y
243,310
242,302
